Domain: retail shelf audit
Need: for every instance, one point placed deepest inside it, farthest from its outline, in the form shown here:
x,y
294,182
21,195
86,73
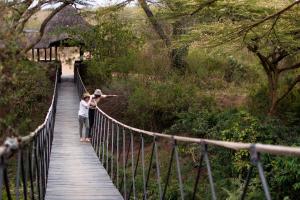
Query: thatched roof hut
x,y
54,32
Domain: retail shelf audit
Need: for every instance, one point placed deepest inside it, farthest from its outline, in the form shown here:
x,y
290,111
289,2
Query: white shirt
x,y
83,109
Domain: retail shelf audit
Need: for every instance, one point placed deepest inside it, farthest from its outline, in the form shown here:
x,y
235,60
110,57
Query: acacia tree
x,y
275,40
183,14
272,34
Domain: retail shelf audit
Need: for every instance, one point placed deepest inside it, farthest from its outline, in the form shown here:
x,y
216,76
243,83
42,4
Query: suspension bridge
x,y
50,163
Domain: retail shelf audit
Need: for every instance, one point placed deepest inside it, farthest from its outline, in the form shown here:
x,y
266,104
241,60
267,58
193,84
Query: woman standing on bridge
x,y
96,97
83,115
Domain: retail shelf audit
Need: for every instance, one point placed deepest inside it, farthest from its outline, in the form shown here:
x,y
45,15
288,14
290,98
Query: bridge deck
x,y
75,172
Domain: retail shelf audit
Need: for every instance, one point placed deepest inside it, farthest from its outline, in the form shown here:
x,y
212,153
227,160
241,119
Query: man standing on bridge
x,y
95,100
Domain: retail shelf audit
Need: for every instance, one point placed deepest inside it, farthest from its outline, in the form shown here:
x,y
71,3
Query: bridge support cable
x,y
31,156
133,156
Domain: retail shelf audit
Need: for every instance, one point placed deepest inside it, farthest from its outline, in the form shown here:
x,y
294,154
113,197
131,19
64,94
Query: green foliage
x,y
238,72
239,125
159,98
26,92
259,100
288,109
215,68
198,124
283,176
97,73
158,102
111,37
113,46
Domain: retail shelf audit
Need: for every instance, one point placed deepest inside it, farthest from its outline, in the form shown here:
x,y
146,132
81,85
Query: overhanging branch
x,y
43,25
19,25
156,25
291,86
275,15
202,6
295,66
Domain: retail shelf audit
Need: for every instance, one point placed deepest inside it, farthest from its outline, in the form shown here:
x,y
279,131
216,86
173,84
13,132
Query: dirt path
x,y
68,55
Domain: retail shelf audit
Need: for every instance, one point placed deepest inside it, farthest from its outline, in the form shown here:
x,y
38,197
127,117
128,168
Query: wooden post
x,y
38,54
32,54
55,52
50,53
45,50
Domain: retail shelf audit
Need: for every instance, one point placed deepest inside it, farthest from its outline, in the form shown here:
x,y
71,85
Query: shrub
x,y
241,126
216,67
158,102
97,73
288,109
26,92
113,46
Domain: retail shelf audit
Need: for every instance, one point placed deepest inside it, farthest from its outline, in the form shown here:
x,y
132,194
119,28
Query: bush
x,y
288,109
97,73
154,104
26,93
216,67
241,126
237,72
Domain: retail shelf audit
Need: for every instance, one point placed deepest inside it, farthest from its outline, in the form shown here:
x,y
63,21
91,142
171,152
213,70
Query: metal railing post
x,y
255,158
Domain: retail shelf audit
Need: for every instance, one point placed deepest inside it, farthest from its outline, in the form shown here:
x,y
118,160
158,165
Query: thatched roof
x,y
68,17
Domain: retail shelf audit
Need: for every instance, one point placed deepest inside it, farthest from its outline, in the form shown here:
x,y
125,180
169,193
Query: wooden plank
x,y
75,172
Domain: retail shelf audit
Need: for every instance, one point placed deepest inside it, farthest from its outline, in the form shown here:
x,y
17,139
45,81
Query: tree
x,y
182,13
275,40
270,32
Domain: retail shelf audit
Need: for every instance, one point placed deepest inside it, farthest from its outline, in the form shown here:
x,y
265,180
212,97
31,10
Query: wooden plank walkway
x,y
75,172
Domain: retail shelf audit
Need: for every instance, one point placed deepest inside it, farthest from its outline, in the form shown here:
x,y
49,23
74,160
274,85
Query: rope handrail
x,y
114,141
32,158
263,148
30,136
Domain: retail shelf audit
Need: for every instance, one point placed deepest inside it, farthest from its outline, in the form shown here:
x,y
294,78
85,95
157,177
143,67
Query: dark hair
x,y
96,96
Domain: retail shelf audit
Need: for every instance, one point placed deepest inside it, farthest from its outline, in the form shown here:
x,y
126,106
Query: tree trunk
x,y
178,54
273,92
156,25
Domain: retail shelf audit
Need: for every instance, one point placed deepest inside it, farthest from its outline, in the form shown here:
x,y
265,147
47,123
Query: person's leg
x,y
86,123
91,120
81,121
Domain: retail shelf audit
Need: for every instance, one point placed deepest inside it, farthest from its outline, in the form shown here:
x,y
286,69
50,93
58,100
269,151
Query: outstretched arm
x,y
108,95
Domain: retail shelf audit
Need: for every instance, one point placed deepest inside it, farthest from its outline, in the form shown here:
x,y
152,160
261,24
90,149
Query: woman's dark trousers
x,y
91,120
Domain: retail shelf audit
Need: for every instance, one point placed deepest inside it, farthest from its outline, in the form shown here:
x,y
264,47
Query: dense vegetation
x,y
219,69
26,92
225,72
26,87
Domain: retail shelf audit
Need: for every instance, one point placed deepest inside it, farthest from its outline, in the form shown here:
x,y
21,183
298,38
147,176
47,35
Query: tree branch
x,y
294,83
279,55
43,26
269,17
19,26
202,6
295,66
263,59
116,7
156,25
